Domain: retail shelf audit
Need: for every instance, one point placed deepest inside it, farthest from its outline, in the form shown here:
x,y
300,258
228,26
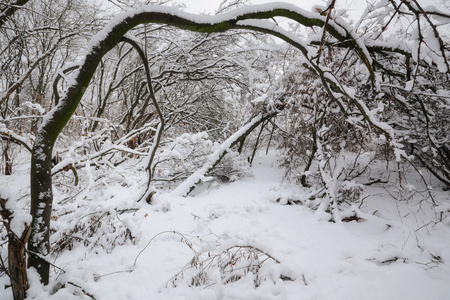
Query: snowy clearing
x,y
250,245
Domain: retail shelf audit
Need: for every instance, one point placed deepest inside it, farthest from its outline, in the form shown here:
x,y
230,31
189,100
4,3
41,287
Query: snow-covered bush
x,y
188,152
96,231
348,83
227,266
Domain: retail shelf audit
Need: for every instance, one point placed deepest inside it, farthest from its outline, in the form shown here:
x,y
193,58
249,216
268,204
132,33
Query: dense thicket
x,y
332,94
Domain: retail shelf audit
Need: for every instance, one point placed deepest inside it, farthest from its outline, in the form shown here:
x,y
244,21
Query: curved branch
x,y
17,139
58,78
106,39
155,103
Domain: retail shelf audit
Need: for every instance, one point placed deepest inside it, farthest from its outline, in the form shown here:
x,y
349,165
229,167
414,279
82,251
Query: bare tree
x,y
252,19
341,83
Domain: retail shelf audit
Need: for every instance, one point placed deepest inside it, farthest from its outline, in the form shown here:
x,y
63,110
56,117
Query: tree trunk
x,y
41,206
8,161
17,264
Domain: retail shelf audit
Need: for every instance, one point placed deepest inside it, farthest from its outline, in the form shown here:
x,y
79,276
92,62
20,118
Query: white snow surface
x,y
396,252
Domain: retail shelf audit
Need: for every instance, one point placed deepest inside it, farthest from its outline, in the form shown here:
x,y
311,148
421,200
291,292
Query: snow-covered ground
x,y
239,241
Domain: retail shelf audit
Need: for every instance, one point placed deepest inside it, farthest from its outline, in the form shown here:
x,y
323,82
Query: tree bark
x,y
17,267
41,206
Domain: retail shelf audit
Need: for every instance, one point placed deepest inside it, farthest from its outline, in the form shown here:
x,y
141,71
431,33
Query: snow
x,y
409,85
249,239
36,106
206,19
393,252
199,175
19,218
24,139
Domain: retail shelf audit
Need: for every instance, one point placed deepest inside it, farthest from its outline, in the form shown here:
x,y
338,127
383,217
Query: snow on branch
x,y
214,158
9,135
241,18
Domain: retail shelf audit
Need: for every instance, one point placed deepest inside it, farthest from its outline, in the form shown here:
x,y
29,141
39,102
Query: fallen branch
x,y
214,159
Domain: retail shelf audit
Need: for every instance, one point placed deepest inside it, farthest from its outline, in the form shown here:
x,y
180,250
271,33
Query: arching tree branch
x,y
155,103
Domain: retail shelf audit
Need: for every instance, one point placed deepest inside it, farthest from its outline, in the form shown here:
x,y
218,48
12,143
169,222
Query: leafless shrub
x,y
97,230
232,264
